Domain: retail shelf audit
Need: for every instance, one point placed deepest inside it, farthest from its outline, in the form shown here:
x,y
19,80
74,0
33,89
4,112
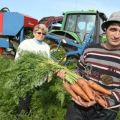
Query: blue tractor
x,y
78,30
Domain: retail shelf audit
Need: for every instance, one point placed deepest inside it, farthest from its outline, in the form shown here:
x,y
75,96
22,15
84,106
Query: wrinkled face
x,y
39,35
113,35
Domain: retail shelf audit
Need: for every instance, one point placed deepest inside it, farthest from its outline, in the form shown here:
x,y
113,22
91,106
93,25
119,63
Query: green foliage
x,y
58,53
49,99
49,102
118,116
28,33
29,73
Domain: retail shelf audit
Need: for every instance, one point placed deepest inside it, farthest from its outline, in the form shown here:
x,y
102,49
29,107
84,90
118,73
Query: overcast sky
x,y
42,8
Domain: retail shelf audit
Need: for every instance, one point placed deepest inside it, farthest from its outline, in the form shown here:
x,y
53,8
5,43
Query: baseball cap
x,y
114,17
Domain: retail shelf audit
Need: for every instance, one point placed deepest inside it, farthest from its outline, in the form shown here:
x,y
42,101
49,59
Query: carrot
x,y
78,90
100,101
99,93
69,90
85,87
99,88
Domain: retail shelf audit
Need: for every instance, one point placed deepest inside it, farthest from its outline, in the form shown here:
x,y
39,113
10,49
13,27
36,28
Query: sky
x,y
43,8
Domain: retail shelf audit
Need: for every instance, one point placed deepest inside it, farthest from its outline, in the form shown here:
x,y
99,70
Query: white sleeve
x,y
49,53
21,47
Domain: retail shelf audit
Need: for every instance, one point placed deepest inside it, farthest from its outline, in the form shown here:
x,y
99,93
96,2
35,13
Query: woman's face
x,y
39,35
113,36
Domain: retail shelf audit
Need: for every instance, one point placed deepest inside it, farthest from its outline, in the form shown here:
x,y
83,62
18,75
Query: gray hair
x,y
40,27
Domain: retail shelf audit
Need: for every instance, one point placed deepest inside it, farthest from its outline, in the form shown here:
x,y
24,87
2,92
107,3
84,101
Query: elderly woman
x,y
35,44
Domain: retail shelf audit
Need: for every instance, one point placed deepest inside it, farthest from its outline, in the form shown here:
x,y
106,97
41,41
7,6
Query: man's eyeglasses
x,y
41,33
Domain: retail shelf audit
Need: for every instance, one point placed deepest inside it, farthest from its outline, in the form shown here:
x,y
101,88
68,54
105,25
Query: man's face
x,y
113,35
39,35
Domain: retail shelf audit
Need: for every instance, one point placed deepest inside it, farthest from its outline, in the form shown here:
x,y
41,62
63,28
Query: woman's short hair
x,y
40,27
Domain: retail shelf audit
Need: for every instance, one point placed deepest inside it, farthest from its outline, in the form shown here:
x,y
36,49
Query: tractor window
x,y
71,23
81,24
84,25
90,26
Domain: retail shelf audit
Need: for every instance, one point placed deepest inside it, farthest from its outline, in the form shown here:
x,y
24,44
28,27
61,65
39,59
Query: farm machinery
x,y
79,29
50,21
14,27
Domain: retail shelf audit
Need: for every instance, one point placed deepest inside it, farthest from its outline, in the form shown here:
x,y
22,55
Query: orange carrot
x,y
78,90
99,88
85,87
69,90
100,101
99,93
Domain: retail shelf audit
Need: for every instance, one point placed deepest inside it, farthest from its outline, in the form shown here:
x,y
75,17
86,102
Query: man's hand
x,y
61,74
83,103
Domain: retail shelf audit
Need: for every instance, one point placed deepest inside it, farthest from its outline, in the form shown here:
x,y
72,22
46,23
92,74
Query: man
x,y
35,45
100,63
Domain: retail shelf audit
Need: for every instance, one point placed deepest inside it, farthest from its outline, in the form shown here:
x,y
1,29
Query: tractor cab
x,y
77,24
79,29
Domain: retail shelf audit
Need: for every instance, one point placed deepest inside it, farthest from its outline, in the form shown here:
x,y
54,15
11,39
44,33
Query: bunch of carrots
x,y
87,90
76,86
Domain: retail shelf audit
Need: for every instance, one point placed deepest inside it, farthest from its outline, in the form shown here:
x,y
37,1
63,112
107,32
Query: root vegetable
x,y
100,101
78,90
99,88
86,88
69,90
